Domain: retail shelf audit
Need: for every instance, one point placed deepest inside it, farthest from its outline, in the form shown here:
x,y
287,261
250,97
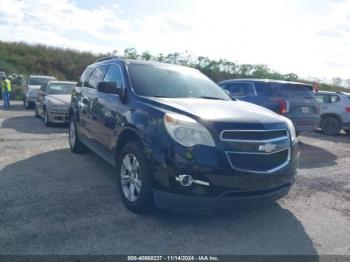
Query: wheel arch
x,y
127,135
338,117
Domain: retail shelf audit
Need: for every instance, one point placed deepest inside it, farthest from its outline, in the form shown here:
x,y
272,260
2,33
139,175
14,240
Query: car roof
x,y
332,92
263,80
41,76
109,60
63,82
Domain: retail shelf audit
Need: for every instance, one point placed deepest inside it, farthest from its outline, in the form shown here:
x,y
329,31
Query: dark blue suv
x,y
290,99
178,140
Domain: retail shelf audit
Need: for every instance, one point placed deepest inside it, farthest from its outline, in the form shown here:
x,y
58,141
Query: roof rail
x,y
108,58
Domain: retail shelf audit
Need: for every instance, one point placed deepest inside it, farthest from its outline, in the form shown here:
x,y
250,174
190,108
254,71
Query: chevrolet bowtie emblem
x,y
267,147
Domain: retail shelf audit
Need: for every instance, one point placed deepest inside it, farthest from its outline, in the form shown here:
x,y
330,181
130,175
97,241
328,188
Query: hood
x,y
221,111
60,100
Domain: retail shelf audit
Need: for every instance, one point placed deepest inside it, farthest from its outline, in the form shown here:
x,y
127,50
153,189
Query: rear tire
x,y
330,126
134,177
76,146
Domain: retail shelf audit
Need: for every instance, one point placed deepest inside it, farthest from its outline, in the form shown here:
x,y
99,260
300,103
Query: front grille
x,y
259,151
258,162
252,135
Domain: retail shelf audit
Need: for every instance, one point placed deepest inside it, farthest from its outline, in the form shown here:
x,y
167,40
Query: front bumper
x,y
237,200
228,188
58,117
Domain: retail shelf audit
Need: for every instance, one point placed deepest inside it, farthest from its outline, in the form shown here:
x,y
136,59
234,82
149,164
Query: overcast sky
x,y
307,37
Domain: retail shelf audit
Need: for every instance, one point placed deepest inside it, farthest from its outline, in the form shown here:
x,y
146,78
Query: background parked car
x,y
335,112
290,99
34,83
52,101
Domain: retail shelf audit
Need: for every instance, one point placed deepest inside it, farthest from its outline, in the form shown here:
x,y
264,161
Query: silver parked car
x,y
335,112
52,101
32,86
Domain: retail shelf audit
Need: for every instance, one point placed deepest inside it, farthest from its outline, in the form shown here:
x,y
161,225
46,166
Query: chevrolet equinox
x,y
177,140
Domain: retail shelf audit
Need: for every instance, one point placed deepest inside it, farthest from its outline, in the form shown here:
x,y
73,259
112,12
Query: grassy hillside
x,y
66,64
27,59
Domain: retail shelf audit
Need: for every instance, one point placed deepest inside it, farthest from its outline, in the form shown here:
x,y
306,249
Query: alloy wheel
x,y
131,177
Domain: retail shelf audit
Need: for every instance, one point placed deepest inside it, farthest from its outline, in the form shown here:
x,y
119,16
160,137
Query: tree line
x,y
68,64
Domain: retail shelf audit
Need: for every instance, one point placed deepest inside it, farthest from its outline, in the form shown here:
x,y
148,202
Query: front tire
x,y
135,180
36,111
25,103
76,146
330,126
46,118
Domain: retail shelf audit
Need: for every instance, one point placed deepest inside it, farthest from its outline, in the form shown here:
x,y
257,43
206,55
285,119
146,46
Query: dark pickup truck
x,y
178,140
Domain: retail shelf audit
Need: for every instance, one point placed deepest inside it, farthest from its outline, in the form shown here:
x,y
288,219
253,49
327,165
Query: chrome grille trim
x,y
254,141
260,172
242,141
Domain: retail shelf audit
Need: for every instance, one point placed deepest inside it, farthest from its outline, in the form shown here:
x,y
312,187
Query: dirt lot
x,y
54,202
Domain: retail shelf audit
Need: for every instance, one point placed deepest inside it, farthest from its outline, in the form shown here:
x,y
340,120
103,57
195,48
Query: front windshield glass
x,y
60,89
173,82
38,81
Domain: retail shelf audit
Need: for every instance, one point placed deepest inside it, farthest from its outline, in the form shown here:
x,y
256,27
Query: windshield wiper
x,y
210,97
160,96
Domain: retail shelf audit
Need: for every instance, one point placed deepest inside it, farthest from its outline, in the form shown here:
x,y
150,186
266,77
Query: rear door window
x,y
323,98
326,98
85,76
240,89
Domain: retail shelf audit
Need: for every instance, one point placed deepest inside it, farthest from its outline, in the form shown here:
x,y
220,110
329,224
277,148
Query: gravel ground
x,y
55,202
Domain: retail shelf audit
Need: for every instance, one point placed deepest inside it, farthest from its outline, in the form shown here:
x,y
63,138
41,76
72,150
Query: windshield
x,y
173,82
38,81
60,89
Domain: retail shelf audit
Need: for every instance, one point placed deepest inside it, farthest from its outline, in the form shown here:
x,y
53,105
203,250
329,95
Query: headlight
x,y
291,129
187,131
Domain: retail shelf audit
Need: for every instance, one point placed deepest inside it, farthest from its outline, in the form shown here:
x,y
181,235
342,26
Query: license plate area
x,y
305,110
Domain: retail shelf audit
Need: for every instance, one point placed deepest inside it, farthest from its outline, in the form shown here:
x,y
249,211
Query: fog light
x,y
187,180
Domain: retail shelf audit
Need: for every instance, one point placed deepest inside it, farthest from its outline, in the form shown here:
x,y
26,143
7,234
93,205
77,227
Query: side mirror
x,y
110,88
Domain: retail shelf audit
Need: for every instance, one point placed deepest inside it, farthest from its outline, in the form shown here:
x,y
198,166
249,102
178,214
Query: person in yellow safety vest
x,y
6,92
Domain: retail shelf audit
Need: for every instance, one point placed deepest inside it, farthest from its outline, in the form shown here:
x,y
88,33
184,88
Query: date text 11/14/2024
x,y
173,258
